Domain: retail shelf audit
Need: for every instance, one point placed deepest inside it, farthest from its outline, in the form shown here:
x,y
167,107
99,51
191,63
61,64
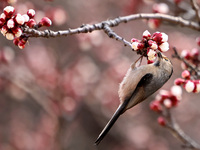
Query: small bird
x,y
138,84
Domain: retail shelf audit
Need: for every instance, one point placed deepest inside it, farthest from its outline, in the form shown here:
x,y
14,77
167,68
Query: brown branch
x,y
178,132
112,23
196,9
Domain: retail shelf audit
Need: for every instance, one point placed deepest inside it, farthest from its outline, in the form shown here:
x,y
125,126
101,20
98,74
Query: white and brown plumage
x,y
138,84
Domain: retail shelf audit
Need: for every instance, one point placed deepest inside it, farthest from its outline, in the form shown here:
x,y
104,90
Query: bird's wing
x,y
131,80
133,99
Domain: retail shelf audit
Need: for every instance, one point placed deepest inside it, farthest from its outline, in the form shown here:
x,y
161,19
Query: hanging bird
x,y
138,84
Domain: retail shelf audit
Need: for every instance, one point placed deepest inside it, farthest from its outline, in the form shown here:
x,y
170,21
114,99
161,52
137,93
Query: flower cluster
x,y
188,84
11,24
166,99
150,44
158,8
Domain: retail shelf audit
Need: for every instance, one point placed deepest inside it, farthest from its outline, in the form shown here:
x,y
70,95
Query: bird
x,y
139,83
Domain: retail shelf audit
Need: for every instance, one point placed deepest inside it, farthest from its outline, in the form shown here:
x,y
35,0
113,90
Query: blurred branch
x,y
178,132
196,9
176,55
104,25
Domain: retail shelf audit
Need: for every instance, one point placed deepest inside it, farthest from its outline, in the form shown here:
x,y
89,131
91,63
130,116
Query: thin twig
x,y
178,132
196,9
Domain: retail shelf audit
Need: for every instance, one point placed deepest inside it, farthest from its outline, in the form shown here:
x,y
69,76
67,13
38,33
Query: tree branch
x,y
196,9
178,132
112,23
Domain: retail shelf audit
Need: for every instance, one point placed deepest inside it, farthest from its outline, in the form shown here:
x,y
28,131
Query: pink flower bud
x,y
45,21
189,86
4,30
150,61
10,23
19,19
134,40
185,54
146,34
31,13
152,44
21,44
185,74
176,91
195,53
160,37
154,23
17,31
151,54
16,41
161,121
3,17
31,23
164,47
167,103
135,45
155,106
160,8
26,17
164,94
9,36
179,81
9,11
198,41
197,87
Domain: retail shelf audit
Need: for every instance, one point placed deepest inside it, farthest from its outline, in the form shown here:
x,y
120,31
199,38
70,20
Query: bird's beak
x,y
160,55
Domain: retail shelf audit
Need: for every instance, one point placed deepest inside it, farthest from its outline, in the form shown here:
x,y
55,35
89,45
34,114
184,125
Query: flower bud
x,y
9,11
10,23
135,45
153,44
17,31
197,87
4,30
185,54
151,54
160,8
189,86
9,36
155,106
146,34
161,121
19,19
185,74
160,37
31,23
195,53
176,91
164,47
26,17
167,103
31,13
179,81
45,21
3,17
154,23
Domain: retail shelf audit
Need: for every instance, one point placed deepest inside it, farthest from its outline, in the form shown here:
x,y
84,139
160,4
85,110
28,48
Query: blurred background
x,y
59,93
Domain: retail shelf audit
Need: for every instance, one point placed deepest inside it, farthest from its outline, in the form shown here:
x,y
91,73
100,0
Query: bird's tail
x,y
111,122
